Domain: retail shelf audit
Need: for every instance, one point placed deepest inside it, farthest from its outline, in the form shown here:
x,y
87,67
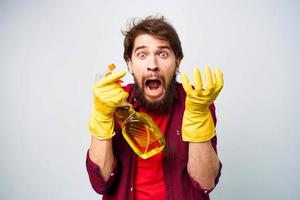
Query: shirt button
x,y
112,174
177,132
205,191
131,189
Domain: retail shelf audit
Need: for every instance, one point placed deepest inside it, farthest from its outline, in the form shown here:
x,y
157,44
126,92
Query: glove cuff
x,y
198,129
101,127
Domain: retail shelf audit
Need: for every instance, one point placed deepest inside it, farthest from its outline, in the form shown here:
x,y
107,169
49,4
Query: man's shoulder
x,y
180,93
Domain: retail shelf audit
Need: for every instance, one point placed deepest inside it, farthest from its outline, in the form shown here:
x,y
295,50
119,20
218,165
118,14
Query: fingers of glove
x,y
219,78
121,96
107,88
112,100
117,81
109,91
111,78
208,79
198,80
186,83
218,82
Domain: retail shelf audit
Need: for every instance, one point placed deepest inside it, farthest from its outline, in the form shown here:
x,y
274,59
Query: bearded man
x,y
188,167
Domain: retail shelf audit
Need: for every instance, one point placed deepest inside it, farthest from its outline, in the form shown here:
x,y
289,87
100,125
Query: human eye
x,y
163,54
141,55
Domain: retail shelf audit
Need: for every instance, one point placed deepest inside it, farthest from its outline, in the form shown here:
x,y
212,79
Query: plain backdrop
x,y
50,52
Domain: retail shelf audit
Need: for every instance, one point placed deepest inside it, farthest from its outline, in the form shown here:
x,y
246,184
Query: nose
x,y
152,64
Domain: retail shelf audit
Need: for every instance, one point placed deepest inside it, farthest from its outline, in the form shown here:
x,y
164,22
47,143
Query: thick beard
x,y
161,106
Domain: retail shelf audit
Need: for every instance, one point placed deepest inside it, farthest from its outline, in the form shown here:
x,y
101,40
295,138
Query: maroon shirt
x,y
178,183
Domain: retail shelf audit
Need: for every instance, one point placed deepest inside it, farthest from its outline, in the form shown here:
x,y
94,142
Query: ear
x,y
129,66
177,64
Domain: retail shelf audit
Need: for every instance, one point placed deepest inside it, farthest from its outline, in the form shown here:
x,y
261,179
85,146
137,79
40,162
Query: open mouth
x,y
154,89
153,84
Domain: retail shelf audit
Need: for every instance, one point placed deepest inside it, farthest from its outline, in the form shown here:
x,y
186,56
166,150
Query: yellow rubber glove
x,y
198,124
108,94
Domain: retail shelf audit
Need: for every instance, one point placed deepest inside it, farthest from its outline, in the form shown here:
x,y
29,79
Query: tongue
x,y
153,84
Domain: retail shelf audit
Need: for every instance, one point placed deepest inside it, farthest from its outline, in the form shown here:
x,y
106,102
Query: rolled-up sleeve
x,y
195,183
198,186
96,179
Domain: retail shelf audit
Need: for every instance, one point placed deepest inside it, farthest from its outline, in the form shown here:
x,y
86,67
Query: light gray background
x,y
51,50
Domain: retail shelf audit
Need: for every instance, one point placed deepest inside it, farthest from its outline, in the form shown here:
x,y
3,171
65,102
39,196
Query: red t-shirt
x,y
149,181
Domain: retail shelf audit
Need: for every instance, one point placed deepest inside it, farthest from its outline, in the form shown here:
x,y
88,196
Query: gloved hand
x,y
108,94
198,124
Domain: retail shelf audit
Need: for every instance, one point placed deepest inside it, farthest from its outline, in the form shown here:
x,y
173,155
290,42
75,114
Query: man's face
x,y
153,65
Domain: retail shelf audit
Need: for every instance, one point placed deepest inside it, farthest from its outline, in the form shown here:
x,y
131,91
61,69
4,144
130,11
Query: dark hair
x,y
155,26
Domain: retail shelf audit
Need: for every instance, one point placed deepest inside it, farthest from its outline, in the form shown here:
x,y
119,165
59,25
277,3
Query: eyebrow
x,y
159,47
